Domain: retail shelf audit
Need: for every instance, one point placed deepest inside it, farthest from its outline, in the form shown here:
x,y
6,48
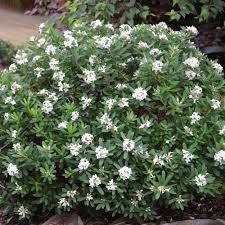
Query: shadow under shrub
x,y
126,120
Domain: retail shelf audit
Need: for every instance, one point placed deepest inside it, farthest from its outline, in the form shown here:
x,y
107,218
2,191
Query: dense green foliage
x,y
137,11
7,52
126,120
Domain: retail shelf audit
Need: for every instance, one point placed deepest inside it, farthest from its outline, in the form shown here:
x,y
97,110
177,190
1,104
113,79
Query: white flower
x,y
12,170
63,87
32,38
195,93
220,156
18,187
96,23
215,104
163,189
191,62
94,181
63,202
22,211
74,115
83,164
50,50
128,145
14,133
110,103
38,71
36,58
47,107
12,68
188,130
121,86
158,160
125,35
163,37
102,69
58,75
222,131
109,26
123,102
101,152
193,30
200,180
195,117
190,74
157,66
125,173
187,156
155,52
180,200
142,44
87,138
15,87
41,27
9,100
63,125
92,59
69,41
103,42
139,94
89,197
41,42
74,149
54,64
218,67
89,76
21,57
71,194
146,124
6,116
111,186
17,146
85,102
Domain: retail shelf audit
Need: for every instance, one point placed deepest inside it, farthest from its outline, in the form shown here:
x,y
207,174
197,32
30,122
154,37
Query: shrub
x,y
137,11
7,52
126,120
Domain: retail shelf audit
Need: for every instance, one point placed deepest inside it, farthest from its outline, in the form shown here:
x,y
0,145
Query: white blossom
x,y
50,50
188,130
63,87
71,194
163,189
110,103
47,106
145,125
17,146
163,37
158,160
101,152
15,87
89,76
9,100
63,202
74,149
14,133
54,64
109,26
87,138
222,131
89,197
12,170
103,42
96,24
157,66
58,75
41,42
21,57
121,86
92,59
63,125
125,173
111,186
128,145
187,156
193,30
220,156
85,102
123,102
6,116
195,117
190,74
200,180
22,211
217,67
41,27
139,94
12,68
38,71
192,62
83,164
155,52
36,58
195,93
142,44
215,104
74,115
94,181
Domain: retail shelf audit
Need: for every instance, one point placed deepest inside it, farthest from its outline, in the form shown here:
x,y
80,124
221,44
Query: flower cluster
x,y
117,119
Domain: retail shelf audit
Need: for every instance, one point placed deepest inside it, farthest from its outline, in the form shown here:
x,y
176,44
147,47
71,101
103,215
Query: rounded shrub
x,y
127,120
